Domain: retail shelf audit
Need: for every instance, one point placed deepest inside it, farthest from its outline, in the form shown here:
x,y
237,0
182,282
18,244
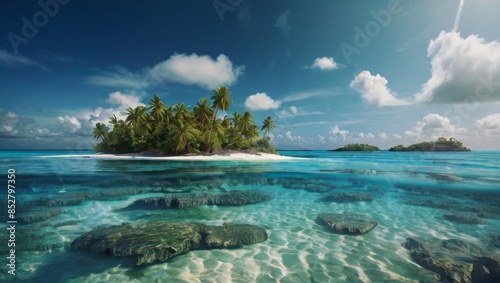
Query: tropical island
x,y
442,144
158,129
357,147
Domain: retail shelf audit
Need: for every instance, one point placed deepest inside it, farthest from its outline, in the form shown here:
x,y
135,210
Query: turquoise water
x,y
298,248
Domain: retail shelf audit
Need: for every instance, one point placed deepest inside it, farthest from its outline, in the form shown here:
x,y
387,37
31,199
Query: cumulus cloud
x,y
434,126
261,101
294,110
200,70
69,123
374,91
489,125
324,64
366,136
396,136
15,60
321,139
287,140
382,136
8,122
124,99
462,69
19,132
73,130
335,132
197,70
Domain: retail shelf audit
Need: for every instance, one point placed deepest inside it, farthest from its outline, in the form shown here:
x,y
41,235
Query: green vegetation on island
x,y
442,144
357,147
173,130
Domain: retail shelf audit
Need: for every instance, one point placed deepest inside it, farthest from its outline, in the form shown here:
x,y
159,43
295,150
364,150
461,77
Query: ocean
x,y
406,188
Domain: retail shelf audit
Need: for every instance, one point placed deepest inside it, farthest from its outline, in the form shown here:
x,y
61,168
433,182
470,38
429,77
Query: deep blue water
x,y
298,249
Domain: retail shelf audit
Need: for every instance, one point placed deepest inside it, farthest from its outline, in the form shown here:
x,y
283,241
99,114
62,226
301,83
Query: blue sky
x,y
328,72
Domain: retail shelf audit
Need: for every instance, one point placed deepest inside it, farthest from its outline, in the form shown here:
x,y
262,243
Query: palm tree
x,y
268,125
246,123
215,141
157,108
222,99
182,113
138,119
236,119
203,113
100,132
226,123
113,120
181,134
252,135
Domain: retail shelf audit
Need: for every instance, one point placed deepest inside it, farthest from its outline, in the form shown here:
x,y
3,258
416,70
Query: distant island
x,y
158,129
442,144
357,147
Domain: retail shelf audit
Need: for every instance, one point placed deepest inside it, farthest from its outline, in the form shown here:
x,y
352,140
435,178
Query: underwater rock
x,y
465,219
76,198
319,187
37,215
160,241
348,223
232,235
348,197
303,184
65,223
452,205
495,240
50,202
231,198
454,260
34,240
376,190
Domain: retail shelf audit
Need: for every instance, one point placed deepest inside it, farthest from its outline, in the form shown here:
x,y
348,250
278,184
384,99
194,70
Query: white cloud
x,y
15,60
288,136
396,136
434,126
374,91
462,69
321,139
324,64
366,136
294,111
261,101
287,140
305,95
382,136
200,70
197,70
71,124
459,15
118,77
336,132
489,125
282,22
124,100
10,123
43,133
11,115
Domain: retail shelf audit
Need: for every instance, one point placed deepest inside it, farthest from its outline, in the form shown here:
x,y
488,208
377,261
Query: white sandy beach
x,y
236,156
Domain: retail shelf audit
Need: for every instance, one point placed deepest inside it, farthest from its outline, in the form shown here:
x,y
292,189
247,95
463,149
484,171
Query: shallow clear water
x,y
298,248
